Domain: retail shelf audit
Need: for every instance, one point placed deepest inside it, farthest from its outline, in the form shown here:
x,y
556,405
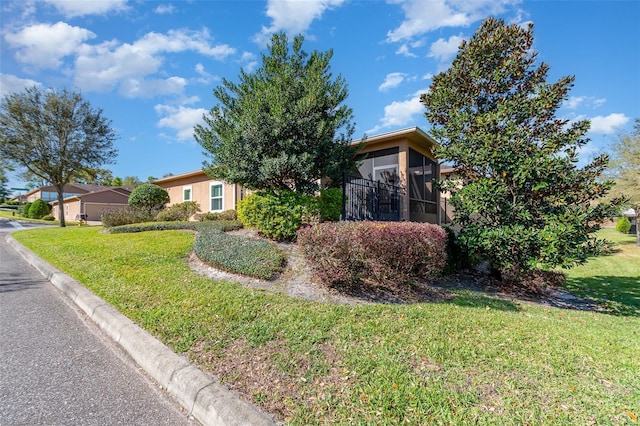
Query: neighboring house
x,y
395,178
48,193
211,195
89,206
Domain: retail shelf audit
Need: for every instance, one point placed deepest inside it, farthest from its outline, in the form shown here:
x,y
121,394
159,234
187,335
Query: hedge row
x,y
388,253
219,226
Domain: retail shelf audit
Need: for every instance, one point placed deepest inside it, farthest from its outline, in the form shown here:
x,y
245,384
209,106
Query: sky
x,y
151,66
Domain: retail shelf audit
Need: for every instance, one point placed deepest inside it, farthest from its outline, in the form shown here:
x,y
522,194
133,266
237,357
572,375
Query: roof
x,y
194,173
414,134
121,190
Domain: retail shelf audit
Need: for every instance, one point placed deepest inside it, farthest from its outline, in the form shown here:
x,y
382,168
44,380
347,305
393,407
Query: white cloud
x,y
422,16
608,124
45,45
588,101
165,9
71,8
443,50
399,113
180,119
404,50
294,16
11,84
205,77
141,88
105,66
392,80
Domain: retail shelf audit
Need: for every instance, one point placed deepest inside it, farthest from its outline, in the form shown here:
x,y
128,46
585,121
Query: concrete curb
x,y
200,394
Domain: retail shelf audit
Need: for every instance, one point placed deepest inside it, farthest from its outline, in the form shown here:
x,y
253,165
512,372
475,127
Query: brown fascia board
x,y
180,176
414,134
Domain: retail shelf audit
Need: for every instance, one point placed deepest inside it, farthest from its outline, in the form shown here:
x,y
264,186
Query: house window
x,y
186,193
216,197
66,210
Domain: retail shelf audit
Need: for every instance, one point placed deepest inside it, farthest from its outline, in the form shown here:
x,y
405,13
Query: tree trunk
x,y
636,208
60,191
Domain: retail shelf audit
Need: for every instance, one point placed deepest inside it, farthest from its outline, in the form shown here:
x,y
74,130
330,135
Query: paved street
x,y
58,369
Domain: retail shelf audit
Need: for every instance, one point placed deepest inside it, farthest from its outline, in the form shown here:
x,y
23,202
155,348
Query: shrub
x,y
225,215
24,210
235,253
178,212
39,209
388,253
125,216
330,204
49,218
277,216
218,226
148,197
623,225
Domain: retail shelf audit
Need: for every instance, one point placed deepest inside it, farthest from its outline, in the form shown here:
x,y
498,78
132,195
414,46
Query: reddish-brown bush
x,y
388,253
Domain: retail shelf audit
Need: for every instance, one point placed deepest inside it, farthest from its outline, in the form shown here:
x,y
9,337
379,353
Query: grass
x,y
474,360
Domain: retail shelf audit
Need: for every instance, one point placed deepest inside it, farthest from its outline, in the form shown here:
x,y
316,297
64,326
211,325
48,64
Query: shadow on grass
x,y
473,299
618,295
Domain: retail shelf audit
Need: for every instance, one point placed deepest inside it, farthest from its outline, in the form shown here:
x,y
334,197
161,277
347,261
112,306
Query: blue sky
x,y
151,65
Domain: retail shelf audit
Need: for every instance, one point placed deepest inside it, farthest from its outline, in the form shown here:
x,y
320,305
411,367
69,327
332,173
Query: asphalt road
x,y
56,368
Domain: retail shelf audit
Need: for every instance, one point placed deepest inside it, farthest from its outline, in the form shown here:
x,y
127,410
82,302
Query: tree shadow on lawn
x,y
617,295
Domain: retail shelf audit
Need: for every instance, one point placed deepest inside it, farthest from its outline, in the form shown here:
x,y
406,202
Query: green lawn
x,y
473,360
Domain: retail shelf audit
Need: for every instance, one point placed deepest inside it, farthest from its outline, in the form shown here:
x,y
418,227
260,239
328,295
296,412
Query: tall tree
x,y
4,191
625,164
54,135
94,176
282,127
626,170
521,201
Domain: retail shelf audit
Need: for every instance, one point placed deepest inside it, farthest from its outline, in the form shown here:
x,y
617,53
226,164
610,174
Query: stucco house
x,y
394,181
89,206
211,195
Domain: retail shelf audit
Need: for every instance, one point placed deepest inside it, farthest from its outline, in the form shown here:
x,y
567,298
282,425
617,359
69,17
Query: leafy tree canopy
x,y
54,136
626,165
521,199
282,127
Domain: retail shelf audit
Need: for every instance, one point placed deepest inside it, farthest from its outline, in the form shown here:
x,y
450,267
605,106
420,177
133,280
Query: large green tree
x,y
625,169
625,164
282,127
54,135
521,199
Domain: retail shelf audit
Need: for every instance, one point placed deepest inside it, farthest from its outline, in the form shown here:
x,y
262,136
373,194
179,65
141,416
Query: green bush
x,y
125,216
388,253
178,212
225,215
623,225
217,226
39,209
149,197
49,218
24,210
277,216
238,254
330,204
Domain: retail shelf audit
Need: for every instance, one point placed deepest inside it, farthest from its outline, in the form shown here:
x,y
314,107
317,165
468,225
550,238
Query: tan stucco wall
x,y
200,191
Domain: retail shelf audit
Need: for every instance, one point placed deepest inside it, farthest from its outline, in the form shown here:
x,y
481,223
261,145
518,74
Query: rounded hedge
x,y
39,209
148,197
623,225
